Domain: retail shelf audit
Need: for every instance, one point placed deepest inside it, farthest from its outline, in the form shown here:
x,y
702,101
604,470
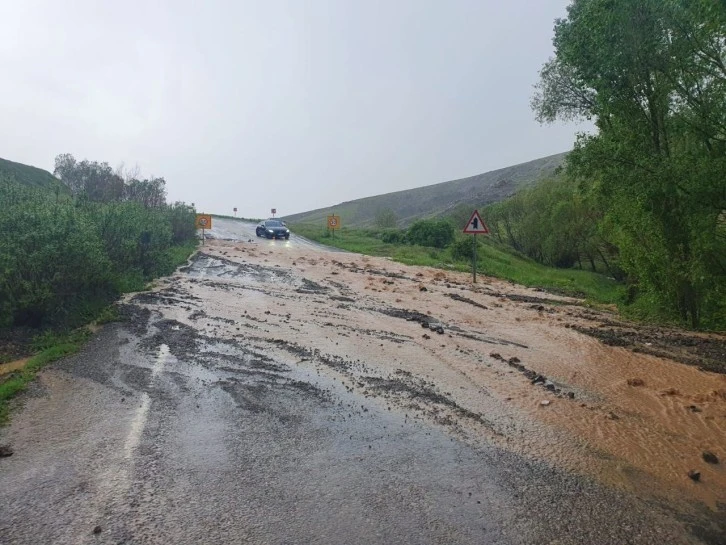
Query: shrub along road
x,y
275,392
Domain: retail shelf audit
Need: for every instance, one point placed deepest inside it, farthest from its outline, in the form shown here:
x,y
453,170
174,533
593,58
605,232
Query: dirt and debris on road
x,y
706,351
541,353
271,392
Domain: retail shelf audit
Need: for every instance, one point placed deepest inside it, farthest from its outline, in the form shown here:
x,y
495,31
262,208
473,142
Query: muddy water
x,y
346,313
11,366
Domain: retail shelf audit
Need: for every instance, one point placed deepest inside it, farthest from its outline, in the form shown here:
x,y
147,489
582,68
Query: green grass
x,y
493,260
108,315
250,220
177,256
52,347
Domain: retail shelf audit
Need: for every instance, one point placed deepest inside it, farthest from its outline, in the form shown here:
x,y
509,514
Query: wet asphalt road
x,y
159,433
226,229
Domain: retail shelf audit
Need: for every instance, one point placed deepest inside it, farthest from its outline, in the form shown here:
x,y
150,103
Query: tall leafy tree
x,y
91,180
651,74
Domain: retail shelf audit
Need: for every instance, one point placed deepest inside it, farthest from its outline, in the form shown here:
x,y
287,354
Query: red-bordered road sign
x,y
476,225
204,221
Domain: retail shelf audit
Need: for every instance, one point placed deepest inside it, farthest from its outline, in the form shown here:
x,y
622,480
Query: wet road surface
x,y
272,392
235,230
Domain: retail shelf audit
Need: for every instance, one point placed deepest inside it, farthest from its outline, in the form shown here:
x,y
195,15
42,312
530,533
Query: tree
x,y
95,181
150,193
386,219
435,233
652,76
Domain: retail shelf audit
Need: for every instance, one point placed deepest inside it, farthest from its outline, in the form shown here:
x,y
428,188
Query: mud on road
x,y
274,394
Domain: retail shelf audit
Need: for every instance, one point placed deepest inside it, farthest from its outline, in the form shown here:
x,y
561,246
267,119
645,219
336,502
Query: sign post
x,y
274,211
203,221
475,226
473,265
333,224
235,211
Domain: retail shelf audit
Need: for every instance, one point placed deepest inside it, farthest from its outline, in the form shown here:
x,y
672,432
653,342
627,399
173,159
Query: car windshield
x,y
273,224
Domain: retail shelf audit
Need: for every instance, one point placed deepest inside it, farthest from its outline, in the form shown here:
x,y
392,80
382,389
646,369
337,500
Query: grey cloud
x,y
293,104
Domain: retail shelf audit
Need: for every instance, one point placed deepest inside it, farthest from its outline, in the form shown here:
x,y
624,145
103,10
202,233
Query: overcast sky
x,y
294,105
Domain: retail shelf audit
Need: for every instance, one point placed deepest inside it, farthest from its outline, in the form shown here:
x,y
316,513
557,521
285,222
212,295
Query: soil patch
x,y
706,351
408,315
308,286
457,297
410,390
531,299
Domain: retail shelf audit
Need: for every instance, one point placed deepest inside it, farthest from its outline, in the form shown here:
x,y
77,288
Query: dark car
x,y
272,229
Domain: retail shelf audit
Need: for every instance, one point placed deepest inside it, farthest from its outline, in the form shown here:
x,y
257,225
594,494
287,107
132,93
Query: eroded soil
x,y
480,359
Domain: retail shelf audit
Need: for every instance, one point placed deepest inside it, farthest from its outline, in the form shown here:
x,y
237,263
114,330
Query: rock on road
x,y
273,392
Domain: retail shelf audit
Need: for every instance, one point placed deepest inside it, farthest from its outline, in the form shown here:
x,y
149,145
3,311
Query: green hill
x,y
439,199
27,175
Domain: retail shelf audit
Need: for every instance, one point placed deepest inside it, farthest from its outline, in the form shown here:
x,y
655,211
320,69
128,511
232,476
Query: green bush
x,y
62,260
462,249
52,260
434,233
393,236
181,217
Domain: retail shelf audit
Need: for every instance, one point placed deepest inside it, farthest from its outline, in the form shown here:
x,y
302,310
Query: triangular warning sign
x,y
476,225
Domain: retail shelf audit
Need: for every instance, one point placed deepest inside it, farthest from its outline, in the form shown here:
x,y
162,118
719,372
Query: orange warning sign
x,y
203,221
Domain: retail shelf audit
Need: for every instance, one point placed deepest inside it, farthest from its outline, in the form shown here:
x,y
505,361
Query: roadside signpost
x,y
204,221
475,226
235,211
274,211
333,224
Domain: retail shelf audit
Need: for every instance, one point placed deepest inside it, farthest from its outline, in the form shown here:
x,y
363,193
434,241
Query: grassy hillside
x,y
439,199
27,175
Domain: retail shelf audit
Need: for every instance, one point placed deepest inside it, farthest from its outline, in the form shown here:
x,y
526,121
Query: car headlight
x,y
287,231
270,231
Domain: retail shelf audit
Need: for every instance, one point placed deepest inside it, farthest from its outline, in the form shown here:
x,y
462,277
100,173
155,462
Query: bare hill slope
x,y
438,199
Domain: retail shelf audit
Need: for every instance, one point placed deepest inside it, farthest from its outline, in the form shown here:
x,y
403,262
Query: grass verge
x,y
52,347
493,260
248,220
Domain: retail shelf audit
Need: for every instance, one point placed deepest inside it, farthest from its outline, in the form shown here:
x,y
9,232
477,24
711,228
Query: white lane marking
x,y
138,422
115,480
160,361
137,426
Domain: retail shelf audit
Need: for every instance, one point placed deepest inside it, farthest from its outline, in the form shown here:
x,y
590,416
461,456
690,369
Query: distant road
x,y
229,229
